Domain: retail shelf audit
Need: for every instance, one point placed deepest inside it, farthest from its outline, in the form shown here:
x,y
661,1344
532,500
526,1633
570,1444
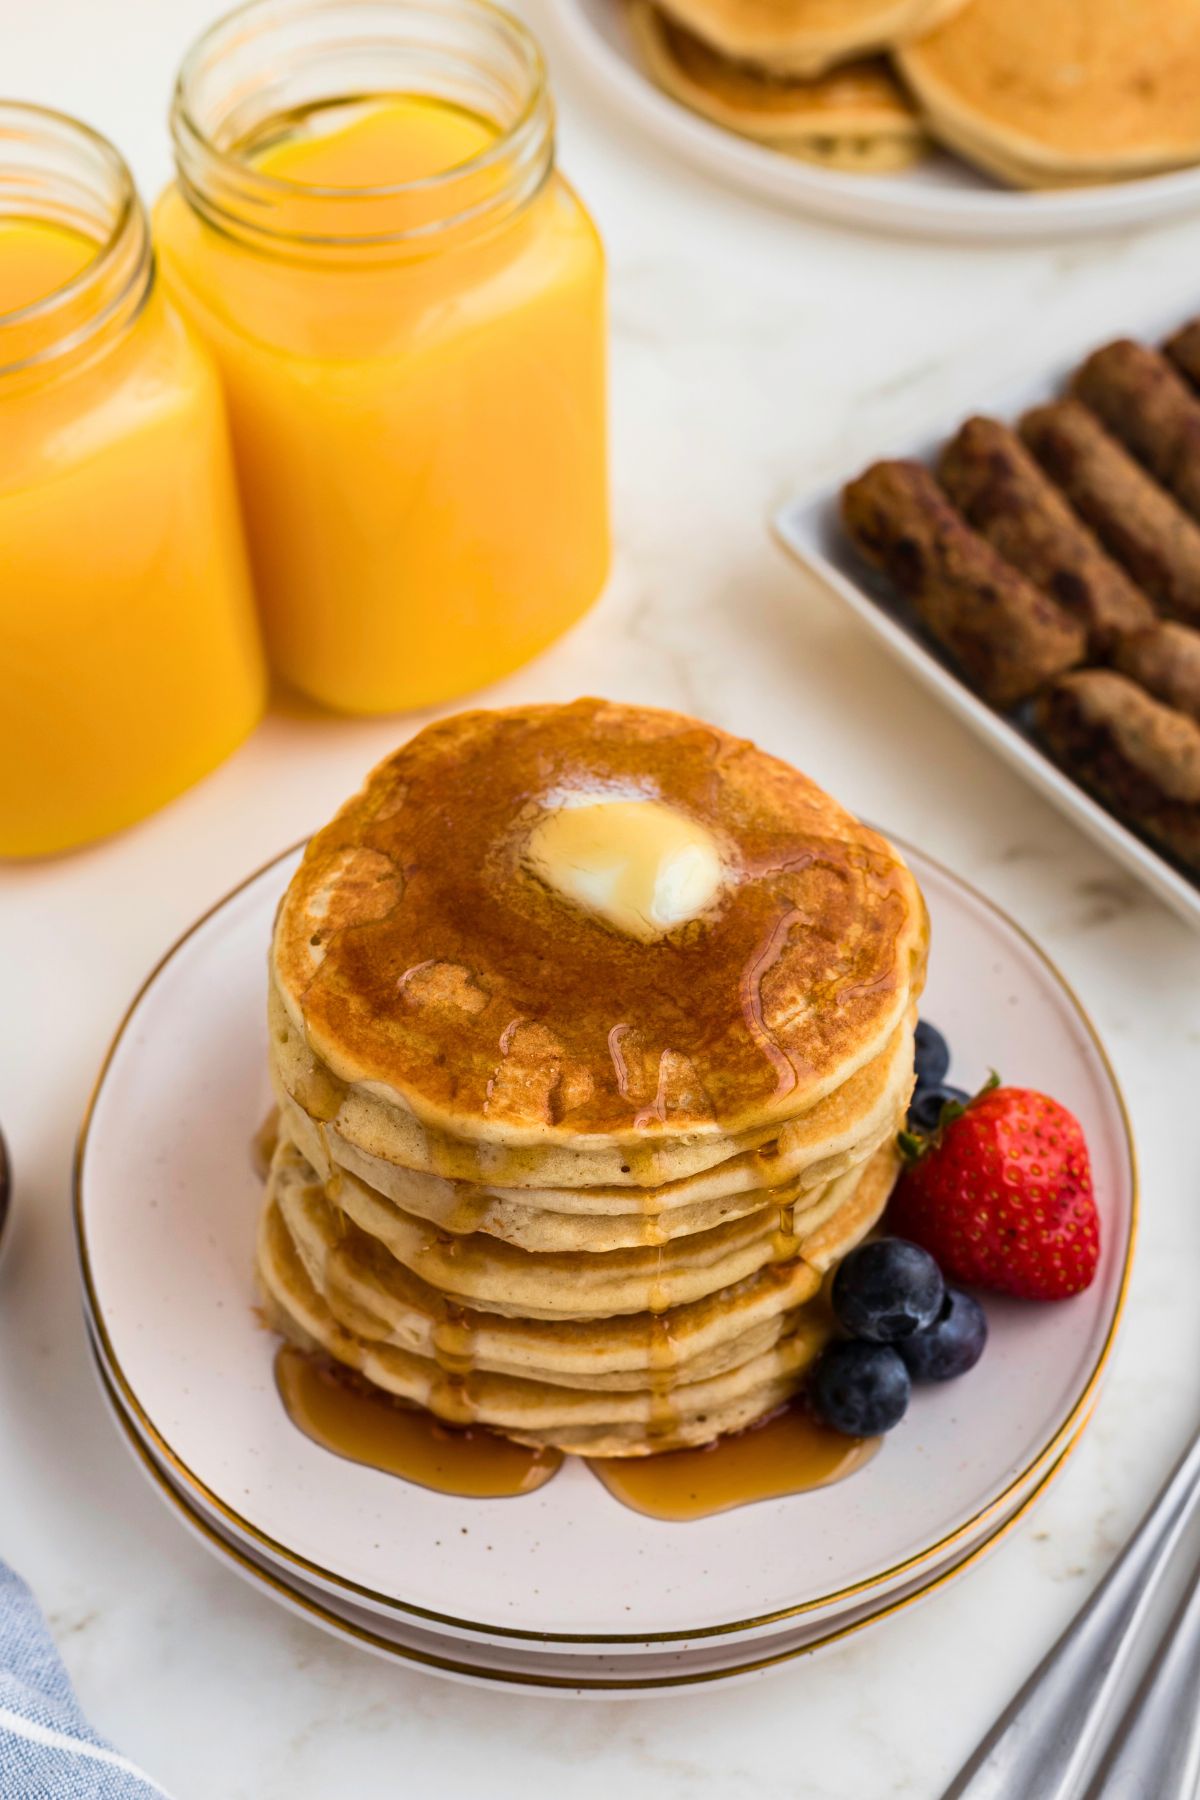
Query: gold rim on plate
x,y
293,1599
1043,1466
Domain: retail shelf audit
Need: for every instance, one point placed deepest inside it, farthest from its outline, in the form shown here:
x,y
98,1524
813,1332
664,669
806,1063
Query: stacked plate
x,y
562,1589
941,196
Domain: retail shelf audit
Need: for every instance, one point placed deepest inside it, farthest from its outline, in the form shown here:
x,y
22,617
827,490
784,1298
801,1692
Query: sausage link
x,y
1140,758
1184,351
1152,538
1007,637
1145,403
1000,490
1165,660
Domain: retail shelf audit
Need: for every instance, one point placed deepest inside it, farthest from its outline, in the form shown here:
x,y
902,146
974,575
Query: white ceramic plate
x,y
765,1637
809,528
594,1675
769,1638
941,197
166,1204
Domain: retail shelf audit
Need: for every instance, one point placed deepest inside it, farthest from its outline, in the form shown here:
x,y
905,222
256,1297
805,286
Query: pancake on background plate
x,y
806,37
855,117
1050,93
591,1029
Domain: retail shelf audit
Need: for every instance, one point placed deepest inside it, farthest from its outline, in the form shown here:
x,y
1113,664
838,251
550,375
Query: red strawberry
x,y
1001,1195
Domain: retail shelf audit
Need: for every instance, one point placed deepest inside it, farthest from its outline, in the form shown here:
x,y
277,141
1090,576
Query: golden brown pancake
x,y
505,1214
806,37
372,1294
361,1132
424,961
613,1386
584,1421
485,1272
1049,92
856,116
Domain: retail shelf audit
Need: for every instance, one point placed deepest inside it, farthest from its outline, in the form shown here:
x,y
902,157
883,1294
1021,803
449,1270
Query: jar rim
x,y
101,291
228,171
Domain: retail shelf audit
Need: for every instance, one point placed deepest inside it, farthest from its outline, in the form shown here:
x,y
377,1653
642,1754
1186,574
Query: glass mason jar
x,y
129,650
406,302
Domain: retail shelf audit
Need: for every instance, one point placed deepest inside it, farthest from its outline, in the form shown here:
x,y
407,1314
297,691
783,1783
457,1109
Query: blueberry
x,y
860,1389
932,1055
926,1109
952,1344
887,1290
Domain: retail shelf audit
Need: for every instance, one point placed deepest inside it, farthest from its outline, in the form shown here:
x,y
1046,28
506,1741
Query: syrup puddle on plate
x,y
404,1440
789,1453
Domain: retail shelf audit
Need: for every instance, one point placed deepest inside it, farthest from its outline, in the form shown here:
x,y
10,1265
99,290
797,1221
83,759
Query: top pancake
x,y
421,956
1074,89
806,37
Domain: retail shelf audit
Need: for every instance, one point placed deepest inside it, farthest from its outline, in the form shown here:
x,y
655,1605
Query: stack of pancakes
x,y
1058,93
568,1171
805,77
1037,93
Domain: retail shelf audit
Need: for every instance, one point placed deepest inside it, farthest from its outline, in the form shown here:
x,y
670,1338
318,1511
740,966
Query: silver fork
x,y
1042,1742
1157,1744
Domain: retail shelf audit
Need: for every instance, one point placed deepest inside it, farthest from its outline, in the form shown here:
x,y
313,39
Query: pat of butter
x,y
639,864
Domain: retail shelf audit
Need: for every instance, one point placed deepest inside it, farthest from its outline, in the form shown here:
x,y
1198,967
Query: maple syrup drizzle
x,y
660,1359
470,1205
789,1453
750,992
263,1144
784,1242
319,1093
372,1428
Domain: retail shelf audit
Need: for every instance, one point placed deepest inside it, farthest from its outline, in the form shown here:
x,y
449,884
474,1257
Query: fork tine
x,y
1156,1749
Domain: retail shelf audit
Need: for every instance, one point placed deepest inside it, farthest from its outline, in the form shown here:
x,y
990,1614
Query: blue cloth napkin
x,y
48,1751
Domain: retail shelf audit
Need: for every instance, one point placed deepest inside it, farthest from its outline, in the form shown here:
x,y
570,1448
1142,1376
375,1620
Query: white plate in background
x,y
940,197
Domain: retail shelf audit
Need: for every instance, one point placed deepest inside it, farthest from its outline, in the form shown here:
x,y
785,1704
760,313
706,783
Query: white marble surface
x,y
751,352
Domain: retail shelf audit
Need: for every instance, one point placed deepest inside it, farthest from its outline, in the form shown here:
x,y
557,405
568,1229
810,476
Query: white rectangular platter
x,y
810,530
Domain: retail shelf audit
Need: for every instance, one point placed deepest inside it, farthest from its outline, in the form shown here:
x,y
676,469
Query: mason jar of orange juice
x,y
406,302
130,660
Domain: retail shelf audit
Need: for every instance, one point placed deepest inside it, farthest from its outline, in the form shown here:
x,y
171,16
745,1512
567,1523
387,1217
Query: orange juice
x,y
128,646
37,259
406,304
